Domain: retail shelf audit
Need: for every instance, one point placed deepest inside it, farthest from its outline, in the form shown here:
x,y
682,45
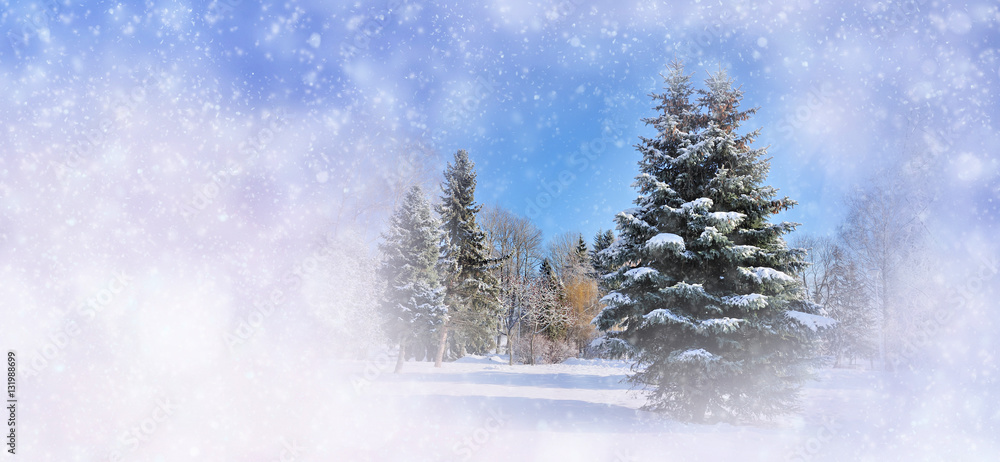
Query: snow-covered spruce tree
x,y
602,240
705,293
413,299
472,291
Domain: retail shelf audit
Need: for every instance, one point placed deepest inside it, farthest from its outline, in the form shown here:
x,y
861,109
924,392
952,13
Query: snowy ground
x,y
286,402
483,409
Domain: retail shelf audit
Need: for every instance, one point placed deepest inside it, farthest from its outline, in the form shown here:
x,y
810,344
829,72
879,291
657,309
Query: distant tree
x,y
556,300
583,298
545,310
515,291
563,254
847,301
413,299
546,271
602,241
582,253
343,293
572,265
817,276
883,232
516,245
834,281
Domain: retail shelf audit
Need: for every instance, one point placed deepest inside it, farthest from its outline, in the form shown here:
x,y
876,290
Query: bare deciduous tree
x,y
816,278
562,251
518,242
833,281
882,232
543,309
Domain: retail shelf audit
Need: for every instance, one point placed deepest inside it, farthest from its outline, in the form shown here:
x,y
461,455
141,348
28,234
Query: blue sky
x,y
844,90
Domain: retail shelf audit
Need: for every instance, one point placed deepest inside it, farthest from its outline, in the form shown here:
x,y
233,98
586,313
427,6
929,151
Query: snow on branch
x,y
695,355
614,250
723,325
813,321
642,271
762,274
710,236
685,290
699,203
726,220
752,301
664,316
666,240
743,251
616,298
628,216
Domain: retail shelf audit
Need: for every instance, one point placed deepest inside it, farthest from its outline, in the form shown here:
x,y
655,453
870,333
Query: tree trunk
x,y
510,349
496,346
531,349
401,358
888,322
442,342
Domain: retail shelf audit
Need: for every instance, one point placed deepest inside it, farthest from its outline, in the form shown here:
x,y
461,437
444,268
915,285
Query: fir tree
x,y
582,253
413,299
547,273
704,295
602,240
600,265
471,289
555,301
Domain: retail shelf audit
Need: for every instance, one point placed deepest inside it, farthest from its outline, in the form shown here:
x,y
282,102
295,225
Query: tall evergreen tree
x,y
413,300
705,297
471,289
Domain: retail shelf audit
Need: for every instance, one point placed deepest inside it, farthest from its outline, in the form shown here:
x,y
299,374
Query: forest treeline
x,y
722,310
